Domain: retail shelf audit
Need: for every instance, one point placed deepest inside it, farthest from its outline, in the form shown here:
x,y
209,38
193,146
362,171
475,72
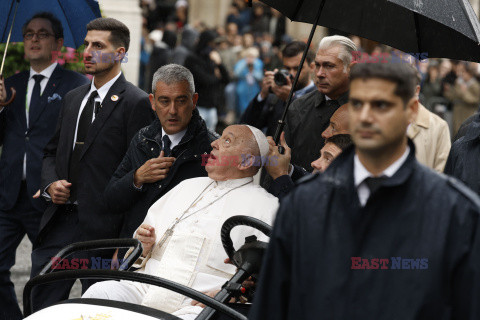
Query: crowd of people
x,y
360,180
250,43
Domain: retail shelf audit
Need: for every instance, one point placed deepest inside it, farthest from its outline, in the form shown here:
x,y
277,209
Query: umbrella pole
x,y
8,38
2,104
281,122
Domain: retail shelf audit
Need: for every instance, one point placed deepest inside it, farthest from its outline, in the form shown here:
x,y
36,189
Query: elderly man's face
x,y
378,118
173,104
228,153
338,123
331,78
328,153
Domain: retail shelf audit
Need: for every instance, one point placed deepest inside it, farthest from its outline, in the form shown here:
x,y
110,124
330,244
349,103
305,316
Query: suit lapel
x,y
107,107
51,87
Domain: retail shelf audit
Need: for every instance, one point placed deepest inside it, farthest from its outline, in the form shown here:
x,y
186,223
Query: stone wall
x,y
127,11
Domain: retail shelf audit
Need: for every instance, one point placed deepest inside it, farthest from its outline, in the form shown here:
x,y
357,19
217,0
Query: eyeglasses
x,y
40,35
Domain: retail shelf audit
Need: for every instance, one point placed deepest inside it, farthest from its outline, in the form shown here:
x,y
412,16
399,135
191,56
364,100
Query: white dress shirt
x,y
102,92
360,173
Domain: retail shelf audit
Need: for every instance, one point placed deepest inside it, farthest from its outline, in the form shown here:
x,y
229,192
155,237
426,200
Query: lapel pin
x,y
114,97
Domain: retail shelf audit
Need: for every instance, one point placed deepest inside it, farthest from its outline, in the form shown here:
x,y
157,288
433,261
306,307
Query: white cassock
x,y
193,255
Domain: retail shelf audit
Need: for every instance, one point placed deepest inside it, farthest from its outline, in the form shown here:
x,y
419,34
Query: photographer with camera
x,y
267,107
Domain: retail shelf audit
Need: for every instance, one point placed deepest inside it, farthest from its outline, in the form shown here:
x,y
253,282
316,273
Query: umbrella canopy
x,y
441,28
74,15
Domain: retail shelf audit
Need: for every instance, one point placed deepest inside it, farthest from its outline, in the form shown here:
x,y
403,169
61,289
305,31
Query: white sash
x,y
182,252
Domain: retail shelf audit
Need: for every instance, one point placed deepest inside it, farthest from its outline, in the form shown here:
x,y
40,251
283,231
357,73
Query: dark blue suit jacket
x,y
17,139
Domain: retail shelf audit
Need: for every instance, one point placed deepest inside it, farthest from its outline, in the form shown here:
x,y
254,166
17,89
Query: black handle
x,y
234,221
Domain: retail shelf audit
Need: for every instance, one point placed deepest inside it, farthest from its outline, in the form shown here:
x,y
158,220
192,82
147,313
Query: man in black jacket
x,y
377,235
309,115
464,158
163,154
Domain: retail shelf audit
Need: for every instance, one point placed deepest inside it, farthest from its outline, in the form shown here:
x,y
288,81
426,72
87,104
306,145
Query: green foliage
x,y
15,61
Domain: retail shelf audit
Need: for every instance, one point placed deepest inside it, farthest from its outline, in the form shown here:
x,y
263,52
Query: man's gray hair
x,y
173,73
347,48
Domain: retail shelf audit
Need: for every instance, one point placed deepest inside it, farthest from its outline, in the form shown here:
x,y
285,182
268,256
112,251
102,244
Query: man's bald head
x,y
338,123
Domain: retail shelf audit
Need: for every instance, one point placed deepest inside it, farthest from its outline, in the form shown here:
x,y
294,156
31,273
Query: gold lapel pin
x,y
114,97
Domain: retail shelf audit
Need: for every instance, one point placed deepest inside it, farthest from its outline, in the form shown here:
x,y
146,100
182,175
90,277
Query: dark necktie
x,y
166,145
35,98
332,104
82,131
374,183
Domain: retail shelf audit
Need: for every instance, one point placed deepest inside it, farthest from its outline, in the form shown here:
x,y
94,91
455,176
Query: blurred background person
x,y
432,85
465,94
188,41
430,134
210,77
266,108
248,72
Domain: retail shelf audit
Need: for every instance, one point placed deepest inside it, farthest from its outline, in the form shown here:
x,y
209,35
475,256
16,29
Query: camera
x,y
280,77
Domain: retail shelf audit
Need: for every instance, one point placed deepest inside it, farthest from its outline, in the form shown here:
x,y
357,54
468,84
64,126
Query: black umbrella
x,y
439,28
442,28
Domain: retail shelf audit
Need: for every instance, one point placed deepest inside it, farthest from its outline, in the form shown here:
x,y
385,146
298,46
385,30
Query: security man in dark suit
x,y
26,126
94,130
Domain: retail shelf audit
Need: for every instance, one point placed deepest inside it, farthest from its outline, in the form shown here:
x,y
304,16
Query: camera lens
x,y
280,77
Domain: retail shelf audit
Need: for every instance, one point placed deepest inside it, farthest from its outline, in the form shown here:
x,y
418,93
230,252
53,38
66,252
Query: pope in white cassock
x,y
181,232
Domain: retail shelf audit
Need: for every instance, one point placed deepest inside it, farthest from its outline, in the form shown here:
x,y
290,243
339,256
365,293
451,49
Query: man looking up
x,y
375,208
285,174
309,115
194,211
26,125
94,130
338,123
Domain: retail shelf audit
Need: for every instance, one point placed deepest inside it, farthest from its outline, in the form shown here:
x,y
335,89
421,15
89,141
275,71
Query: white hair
x,y
347,48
